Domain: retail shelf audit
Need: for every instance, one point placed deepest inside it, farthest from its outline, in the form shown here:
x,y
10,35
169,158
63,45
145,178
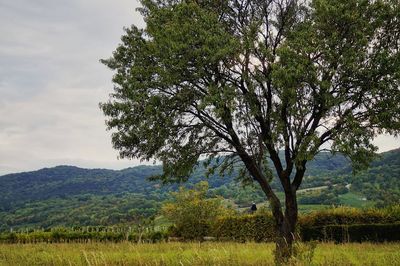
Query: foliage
x,y
380,183
192,213
353,233
347,215
61,196
260,227
66,181
249,79
83,210
242,228
321,197
334,224
84,235
218,82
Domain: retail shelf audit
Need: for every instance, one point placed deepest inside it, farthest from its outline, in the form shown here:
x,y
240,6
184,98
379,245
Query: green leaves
x,y
192,213
251,79
188,41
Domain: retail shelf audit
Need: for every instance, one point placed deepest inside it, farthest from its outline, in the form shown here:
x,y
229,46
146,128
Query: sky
x,y
51,82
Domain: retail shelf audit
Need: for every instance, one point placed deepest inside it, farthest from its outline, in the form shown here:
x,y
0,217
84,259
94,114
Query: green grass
x,y
190,254
354,200
349,199
306,208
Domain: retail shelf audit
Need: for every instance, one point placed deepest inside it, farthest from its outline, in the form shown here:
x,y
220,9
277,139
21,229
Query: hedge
x,y
337,224
352,233
348,215
66,236
245,228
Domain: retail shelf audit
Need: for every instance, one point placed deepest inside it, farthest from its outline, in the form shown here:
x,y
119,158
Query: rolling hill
x,y
68,195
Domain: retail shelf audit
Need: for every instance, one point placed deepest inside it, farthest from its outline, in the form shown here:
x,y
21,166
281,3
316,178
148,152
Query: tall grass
x,y
208,253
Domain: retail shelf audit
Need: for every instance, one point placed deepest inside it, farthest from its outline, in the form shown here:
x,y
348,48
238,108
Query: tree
x,y
253,80
192,212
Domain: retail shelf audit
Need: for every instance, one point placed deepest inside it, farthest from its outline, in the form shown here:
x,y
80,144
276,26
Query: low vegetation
x,y
194,217
70,196
209,253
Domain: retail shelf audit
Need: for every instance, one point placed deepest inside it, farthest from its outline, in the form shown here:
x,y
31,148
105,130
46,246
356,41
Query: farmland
x,y
208,253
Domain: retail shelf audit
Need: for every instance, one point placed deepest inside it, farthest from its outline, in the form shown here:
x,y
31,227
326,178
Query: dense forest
x,y
71,196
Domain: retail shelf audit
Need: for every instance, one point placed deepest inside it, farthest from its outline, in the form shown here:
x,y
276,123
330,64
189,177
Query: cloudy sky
x,y
51,82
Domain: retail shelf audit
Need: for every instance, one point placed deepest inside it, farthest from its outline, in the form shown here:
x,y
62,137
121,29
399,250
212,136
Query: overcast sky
x,y
51,82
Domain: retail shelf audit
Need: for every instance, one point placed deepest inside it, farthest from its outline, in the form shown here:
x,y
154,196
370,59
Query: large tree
x,y
252,79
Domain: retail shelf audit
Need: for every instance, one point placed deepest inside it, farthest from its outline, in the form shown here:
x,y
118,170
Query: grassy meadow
x,y
208,253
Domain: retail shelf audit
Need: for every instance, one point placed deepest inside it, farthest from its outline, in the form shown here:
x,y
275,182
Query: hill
x,y
381,182
68,195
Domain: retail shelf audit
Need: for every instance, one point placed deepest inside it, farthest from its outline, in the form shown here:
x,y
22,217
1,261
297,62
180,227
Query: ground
x,y
193,254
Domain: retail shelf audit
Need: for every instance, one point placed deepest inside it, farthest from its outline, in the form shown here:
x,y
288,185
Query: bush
x,y
192,213
149,237
347,215
157,236
353,233
242,228
337,224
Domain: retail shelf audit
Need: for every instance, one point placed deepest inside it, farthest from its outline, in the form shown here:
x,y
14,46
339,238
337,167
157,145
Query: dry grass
x,y
190,254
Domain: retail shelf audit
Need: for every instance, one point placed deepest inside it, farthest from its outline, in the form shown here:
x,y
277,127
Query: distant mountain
x,y
68,195
65,181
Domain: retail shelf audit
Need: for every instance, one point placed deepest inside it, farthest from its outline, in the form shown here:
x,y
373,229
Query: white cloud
x,y
51,82
387,143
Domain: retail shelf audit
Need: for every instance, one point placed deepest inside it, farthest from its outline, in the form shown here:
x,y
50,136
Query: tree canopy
x,y
250,79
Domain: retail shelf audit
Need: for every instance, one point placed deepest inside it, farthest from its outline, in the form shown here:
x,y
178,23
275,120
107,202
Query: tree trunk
x,y
286,229
285,222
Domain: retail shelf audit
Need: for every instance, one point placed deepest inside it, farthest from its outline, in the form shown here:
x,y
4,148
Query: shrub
x,y
353,233
192,213
347,215
251,227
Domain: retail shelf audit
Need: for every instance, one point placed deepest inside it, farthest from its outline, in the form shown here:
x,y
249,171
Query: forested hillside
x,y
381,182
68,195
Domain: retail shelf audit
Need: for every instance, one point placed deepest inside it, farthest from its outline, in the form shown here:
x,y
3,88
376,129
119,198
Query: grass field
x,y
354,200
306,208
191,254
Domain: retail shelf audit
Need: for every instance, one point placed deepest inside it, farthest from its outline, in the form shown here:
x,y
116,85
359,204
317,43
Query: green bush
x,y
337,224
157,236
149,237
192,213
245,228
347,215
353,233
